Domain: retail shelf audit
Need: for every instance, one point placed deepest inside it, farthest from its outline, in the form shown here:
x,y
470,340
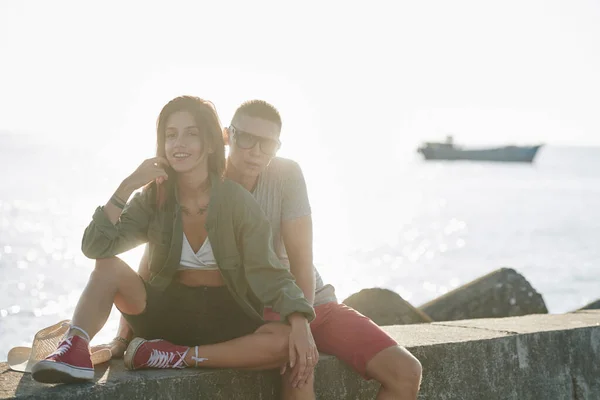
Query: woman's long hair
x,y
211,135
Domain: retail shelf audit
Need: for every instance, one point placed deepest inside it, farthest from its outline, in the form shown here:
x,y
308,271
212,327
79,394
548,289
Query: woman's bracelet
x,y
119,198
122,340
117,201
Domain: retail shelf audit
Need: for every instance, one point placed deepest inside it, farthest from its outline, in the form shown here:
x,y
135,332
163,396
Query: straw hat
x,y
45,342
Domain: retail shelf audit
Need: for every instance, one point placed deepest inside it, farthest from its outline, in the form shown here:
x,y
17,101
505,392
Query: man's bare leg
x,y
399,373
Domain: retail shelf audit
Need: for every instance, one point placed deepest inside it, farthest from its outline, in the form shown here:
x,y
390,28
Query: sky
x,y
359,84
349,78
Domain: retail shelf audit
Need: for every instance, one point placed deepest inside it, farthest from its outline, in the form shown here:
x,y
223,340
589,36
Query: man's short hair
x,y
258,109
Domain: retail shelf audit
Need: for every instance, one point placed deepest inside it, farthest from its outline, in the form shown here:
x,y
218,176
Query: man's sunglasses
x,y
246,140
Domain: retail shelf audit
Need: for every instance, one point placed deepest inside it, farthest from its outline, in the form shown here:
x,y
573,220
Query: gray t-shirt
x,y
282,195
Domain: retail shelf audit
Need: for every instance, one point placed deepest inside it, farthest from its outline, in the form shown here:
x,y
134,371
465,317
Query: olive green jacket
x,y
239,234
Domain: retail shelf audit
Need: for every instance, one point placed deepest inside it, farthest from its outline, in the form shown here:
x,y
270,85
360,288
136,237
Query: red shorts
x,y
345,333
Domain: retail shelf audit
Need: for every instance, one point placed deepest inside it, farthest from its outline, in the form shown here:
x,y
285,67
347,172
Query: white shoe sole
x,y
52,372
131,350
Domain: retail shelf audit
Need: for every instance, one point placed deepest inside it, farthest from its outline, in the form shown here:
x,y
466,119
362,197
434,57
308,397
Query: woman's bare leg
x,y
111,282
266,348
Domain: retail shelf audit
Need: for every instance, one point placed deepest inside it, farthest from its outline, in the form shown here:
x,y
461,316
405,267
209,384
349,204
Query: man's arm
x,y
270,281
297,238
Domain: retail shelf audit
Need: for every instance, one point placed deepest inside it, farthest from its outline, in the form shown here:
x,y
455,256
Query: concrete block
x,y
502,293
535,357
385,307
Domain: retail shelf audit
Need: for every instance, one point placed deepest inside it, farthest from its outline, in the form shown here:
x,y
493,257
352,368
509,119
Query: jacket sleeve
x,y
102,239
270,280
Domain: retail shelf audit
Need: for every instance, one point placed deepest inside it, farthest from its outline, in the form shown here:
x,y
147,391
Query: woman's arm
x,y
103,238
116,227
297,238
112,209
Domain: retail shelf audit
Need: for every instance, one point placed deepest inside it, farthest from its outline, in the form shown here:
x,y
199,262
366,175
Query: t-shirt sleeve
x,y
295,202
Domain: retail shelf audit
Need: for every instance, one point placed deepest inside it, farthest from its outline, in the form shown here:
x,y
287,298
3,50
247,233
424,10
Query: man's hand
x,y
303,351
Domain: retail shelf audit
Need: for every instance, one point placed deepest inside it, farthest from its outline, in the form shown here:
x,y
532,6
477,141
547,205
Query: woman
x,y
211,266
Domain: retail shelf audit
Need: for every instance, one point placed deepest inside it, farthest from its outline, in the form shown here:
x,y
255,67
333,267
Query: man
x,y
279,187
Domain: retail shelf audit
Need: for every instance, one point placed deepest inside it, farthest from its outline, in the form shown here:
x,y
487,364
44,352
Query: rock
x,y
385,307
595,305
502,293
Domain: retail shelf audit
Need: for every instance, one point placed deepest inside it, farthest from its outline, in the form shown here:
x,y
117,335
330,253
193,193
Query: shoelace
x,y
164,359
65,345
198,359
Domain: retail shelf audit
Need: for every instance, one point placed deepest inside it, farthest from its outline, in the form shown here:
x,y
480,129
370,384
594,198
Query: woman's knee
x,y
105,267
275,328
110,263
109,272
278,337
109,266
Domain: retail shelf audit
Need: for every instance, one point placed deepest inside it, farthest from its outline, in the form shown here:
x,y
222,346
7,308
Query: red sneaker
x,y
70,362
158,353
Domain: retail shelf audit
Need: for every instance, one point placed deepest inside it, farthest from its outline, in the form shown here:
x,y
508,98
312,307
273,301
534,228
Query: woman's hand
x,y
148,171
303,350
117,348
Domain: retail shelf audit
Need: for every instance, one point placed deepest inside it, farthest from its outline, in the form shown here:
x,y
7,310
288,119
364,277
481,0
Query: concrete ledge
x,y
532,357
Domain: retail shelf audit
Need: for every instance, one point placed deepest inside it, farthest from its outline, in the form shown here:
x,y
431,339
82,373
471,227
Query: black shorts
x,y
191,316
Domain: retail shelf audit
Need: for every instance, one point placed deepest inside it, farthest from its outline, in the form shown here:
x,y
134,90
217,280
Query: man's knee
x,y
407,369
396,366
306,392
412,366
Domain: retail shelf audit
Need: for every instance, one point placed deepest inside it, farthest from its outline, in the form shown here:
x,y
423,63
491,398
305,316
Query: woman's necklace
x,y
201,209
189,213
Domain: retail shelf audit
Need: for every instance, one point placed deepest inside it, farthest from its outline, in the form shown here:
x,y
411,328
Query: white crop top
x,y
204,259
